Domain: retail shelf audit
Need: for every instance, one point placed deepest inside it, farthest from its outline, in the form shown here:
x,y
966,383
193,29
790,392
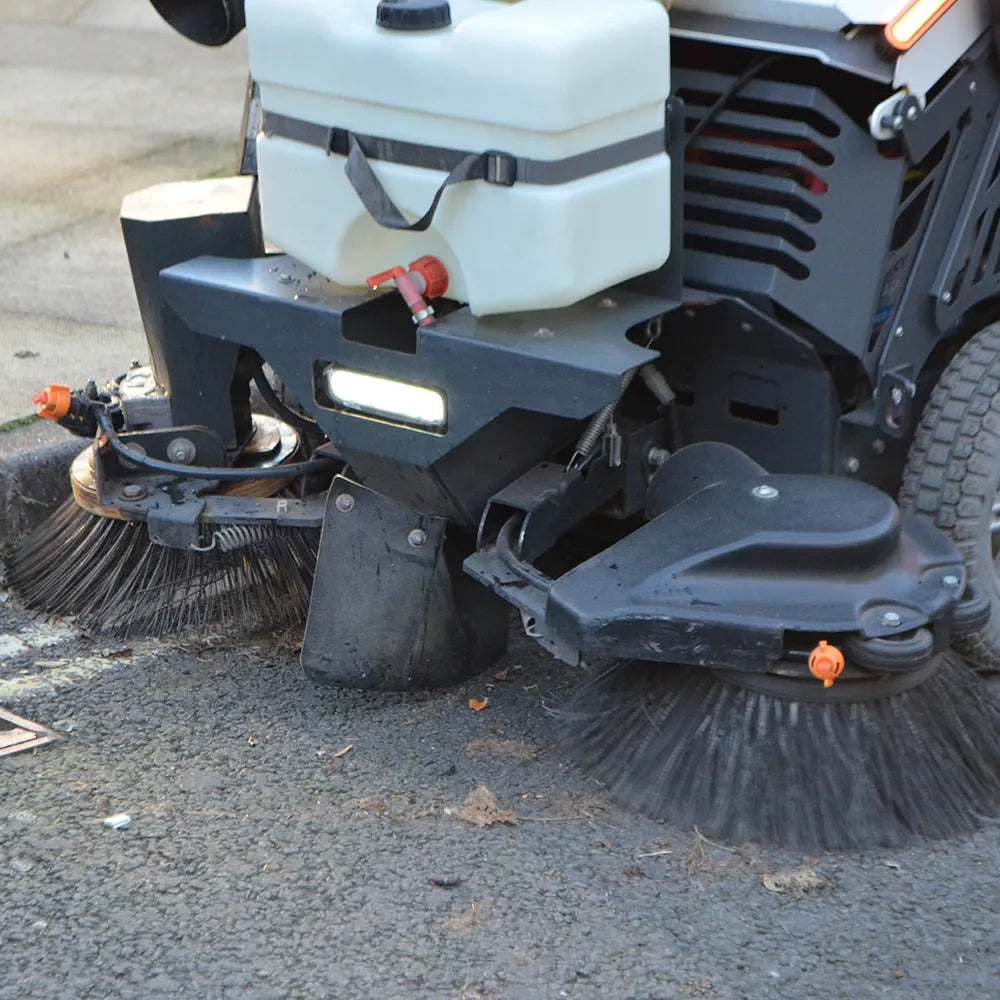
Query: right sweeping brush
x,y
841,770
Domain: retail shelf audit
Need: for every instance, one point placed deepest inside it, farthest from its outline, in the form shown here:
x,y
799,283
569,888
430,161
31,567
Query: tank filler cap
x,y
413,15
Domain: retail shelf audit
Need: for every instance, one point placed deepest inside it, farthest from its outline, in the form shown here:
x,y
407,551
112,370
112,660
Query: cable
x,y
734,88
203,471
281,408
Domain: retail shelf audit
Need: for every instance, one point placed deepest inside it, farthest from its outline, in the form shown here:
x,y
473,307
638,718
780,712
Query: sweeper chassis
x,y
693,468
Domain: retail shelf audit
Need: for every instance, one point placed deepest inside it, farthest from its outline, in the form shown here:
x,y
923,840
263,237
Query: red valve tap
x,y
425,279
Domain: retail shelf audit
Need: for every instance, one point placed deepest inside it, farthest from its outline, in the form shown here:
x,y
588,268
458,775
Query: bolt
x,y
890,619
544,332
852,465
911,113
344,502
656,457
133,491
946,297
285,279
897,396
897,123
878,446
765,492
182,451
950,581
898,332
746,327
417,538
608,303
972,86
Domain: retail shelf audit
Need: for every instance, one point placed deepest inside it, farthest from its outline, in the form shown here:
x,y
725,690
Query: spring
x,y
236,536
597,426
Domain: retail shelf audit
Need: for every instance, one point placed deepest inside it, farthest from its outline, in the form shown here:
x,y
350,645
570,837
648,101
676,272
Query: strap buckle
x,y
336,141
499,168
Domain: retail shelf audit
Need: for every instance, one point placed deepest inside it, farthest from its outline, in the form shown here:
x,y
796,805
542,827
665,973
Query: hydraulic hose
x,y
203,471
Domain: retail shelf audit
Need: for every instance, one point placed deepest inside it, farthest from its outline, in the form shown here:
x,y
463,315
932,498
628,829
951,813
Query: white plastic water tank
x,y
576,88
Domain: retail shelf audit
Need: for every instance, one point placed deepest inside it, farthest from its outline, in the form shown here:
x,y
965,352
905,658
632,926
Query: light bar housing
x,y
386,399
913,22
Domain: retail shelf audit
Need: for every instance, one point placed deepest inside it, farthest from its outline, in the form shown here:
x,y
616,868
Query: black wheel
x,y
952,476
892,653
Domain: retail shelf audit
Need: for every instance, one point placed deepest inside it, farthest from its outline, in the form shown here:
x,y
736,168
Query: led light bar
x,y
370,395
912,23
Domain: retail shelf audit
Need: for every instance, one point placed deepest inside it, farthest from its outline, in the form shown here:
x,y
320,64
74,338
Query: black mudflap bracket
x,y
391,608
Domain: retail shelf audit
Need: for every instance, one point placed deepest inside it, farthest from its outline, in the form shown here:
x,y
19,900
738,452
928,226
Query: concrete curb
x,y
33,483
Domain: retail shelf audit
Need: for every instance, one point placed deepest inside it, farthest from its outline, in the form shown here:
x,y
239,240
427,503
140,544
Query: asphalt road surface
x,y
266,861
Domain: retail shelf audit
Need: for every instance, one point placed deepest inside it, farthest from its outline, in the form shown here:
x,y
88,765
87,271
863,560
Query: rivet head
x,y
133,491
946,297
765,492
950,580
417,538
344,502
852,465
890,619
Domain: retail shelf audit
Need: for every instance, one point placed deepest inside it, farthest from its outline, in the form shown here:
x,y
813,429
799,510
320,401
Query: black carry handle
x,y
495,168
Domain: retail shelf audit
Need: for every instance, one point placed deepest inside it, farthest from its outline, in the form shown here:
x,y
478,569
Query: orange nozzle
x,y
826,663
53,402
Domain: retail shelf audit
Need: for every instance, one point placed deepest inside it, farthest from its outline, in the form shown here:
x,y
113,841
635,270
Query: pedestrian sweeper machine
x,y
634,319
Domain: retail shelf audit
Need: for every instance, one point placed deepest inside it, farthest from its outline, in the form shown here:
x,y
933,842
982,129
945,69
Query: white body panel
x,y
829,14
545,79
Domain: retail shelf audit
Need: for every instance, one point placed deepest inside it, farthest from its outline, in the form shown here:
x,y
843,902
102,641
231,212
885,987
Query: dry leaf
x,y
345,750
478,703
481,808
796,881
464,920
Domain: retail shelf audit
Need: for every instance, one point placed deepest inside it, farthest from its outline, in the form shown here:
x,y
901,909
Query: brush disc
x,y
682,745
107,575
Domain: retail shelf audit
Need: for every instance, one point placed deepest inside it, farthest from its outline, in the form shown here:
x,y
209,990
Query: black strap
x,y
493,166
376,199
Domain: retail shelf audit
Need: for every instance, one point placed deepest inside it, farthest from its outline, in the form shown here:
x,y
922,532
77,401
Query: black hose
x,y
734,88
203,471
280,408
524,571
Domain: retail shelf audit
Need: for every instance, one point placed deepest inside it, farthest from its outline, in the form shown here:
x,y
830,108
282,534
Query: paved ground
x,y
97,98
260,864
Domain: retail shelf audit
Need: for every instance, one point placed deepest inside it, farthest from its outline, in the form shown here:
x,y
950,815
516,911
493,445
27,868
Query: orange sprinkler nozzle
x,y
826,663
52,402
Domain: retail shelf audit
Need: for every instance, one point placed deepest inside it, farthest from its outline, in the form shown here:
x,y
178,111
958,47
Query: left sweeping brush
x,y
149,547
109,577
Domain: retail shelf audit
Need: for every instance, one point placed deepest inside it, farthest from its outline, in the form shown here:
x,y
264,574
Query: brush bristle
x,y
679,744
109,577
